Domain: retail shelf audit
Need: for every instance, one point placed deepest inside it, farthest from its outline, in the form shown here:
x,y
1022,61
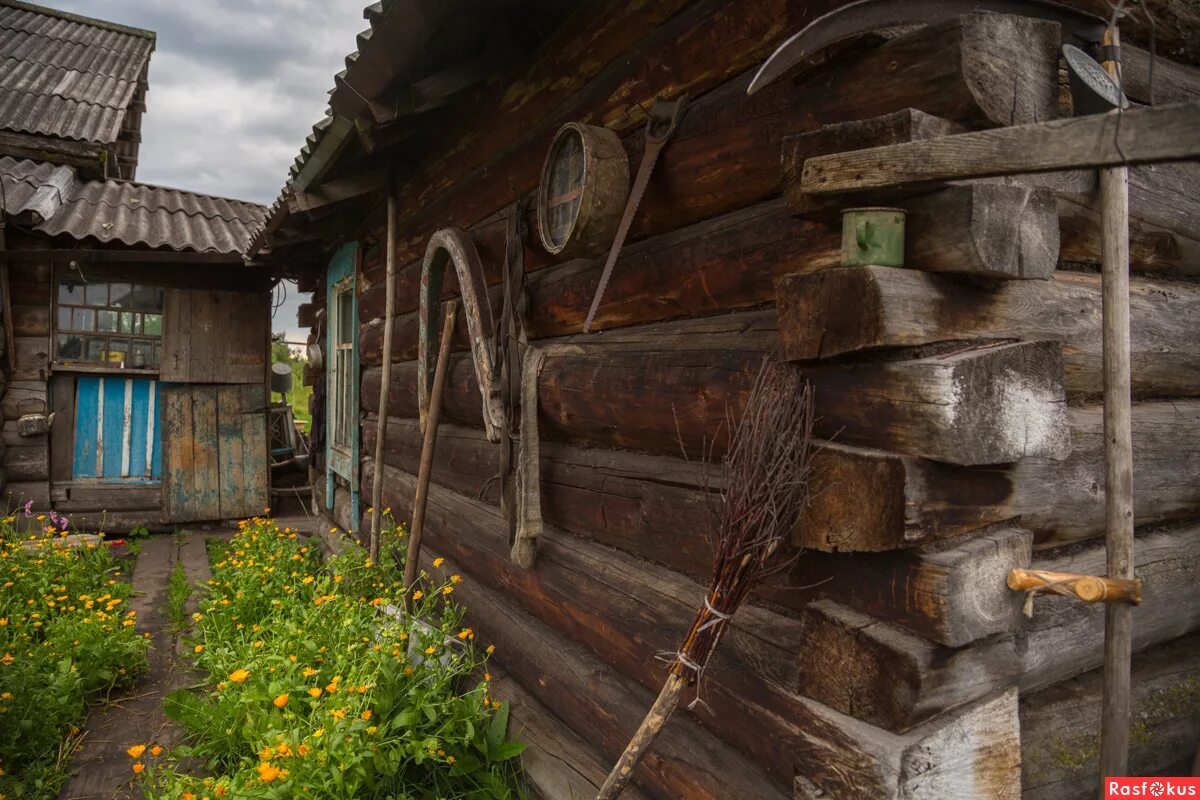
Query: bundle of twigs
x,y
766,487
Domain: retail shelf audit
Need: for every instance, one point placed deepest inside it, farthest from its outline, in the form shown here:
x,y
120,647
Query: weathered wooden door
x,y
214,405
215,452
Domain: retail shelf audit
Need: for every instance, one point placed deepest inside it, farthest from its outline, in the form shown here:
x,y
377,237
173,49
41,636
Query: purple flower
x,y
62,523
29,509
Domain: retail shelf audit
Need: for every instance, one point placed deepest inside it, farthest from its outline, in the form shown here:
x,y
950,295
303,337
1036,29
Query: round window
x,y
582,191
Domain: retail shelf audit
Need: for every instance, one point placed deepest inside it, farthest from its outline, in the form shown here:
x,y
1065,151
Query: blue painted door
x,y
117,429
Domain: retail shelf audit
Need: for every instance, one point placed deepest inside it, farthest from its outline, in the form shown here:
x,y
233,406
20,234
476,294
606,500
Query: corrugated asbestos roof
x,y
67,76
56,202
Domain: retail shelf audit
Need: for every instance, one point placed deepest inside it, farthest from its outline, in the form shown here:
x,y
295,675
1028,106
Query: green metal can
x,y
873,236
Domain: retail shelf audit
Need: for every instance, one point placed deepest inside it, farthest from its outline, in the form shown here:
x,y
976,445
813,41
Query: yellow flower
x,y
366,714
309,672
447,590
338,713
138,767
198,648
314,692
156,751
281,700
418,594
437,562
371,729
239,675
430,650
449,759
302,750
456,578
491,648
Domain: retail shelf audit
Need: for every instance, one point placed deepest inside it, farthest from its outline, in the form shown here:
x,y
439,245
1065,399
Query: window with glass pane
x,y
114,324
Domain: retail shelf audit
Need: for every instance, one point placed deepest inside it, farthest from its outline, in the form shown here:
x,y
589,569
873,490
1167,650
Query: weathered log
x,y
32,358
20,492
556,762
1059,739
867,500
985,229
10,436
880,673
28,463
700,370
950,592
853,309
622,610
23,397
1173,82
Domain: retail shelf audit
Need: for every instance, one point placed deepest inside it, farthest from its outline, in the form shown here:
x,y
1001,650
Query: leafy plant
x,y
317,684
67,638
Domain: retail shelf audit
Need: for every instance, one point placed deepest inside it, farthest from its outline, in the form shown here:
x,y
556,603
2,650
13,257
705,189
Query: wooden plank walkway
x,y
102,769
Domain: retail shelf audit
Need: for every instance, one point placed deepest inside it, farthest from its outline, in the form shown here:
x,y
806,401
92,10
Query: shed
x,y
958,393
136,339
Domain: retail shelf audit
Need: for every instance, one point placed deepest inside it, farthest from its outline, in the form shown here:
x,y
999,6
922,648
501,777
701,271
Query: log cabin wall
x,y
959,415
225,355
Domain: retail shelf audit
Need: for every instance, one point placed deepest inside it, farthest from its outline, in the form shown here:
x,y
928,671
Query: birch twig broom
x,y
766,487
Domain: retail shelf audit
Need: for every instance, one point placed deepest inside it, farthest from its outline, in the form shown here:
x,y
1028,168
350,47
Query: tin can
x,y
873,236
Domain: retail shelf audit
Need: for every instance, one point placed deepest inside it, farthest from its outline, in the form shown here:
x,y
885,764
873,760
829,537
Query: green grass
x,y
178,592
299,395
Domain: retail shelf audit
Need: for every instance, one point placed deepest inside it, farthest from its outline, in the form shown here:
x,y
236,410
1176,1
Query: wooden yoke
x,y
1088,588
456,246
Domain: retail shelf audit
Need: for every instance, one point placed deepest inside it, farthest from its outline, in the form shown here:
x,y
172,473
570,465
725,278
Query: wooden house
x,y
958,395
136,339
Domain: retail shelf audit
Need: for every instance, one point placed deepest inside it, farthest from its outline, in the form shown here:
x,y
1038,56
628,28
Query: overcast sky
x,y
235,87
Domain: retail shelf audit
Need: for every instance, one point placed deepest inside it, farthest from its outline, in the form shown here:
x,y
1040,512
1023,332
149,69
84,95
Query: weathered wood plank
x,y
849,310
1060,743
214,336
1163,203
231,476
110,498
62,432
31,320
1145,135
623,611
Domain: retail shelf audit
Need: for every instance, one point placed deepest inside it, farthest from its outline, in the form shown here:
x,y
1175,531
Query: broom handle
x,y
652,725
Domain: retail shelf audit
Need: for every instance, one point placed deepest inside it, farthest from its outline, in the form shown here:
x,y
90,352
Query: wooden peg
x,y
1088,588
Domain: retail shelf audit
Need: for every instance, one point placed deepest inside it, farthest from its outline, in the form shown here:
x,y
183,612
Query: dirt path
x,y
101,768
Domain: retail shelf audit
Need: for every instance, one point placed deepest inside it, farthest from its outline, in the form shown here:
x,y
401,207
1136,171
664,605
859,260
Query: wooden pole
x,y
1118,454
1088,588
385,384
421,497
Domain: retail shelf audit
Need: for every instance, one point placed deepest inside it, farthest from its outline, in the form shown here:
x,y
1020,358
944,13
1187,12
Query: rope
x,y
1050,587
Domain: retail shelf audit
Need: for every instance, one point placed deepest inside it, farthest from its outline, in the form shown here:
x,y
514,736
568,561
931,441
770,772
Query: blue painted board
x,y
117,423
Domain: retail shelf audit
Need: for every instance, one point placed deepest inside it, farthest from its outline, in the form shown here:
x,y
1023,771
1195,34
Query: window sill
x,y
98,369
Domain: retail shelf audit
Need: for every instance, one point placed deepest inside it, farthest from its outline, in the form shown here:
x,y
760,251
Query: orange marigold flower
x,y
418,594
138,767
198,648
136,751
239,675
281,700
156,750
314,692
366,714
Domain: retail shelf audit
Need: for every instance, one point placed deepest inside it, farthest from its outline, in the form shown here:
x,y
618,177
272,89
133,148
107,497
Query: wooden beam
x,y
1173,82
843,311
1145,135
57,151
337,190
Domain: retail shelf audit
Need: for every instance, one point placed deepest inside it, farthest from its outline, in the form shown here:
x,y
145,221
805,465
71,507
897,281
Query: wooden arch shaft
x,y
454,246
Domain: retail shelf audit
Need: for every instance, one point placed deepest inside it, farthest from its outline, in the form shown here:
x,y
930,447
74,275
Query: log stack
x,y
958,405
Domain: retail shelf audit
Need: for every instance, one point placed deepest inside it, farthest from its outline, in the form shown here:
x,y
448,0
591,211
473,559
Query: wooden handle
x,y
1088,588
647,732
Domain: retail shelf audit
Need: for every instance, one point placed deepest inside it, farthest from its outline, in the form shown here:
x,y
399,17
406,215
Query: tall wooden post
x,y
386,378
1118,454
